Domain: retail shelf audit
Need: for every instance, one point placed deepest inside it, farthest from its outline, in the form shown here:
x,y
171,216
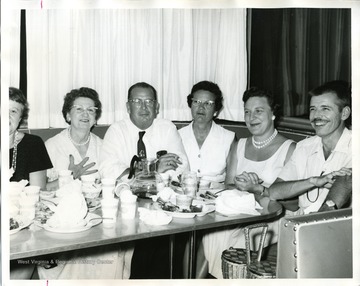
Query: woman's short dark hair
x,y
258,92
17,95
210,87
81,92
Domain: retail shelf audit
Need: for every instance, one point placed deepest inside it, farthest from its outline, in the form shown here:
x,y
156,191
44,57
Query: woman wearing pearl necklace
x,y
76,148
254,164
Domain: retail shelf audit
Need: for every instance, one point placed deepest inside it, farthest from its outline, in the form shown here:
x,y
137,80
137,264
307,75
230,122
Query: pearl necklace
x,y
16,142
262,144
75,143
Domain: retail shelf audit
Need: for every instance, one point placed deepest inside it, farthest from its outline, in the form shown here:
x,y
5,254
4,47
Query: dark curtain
x,y
23,61
292,51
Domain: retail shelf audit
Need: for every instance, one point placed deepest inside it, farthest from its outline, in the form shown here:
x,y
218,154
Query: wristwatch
x,y
263,190
331,205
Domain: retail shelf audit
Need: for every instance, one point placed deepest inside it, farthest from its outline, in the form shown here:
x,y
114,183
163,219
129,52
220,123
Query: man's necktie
x,y
141,146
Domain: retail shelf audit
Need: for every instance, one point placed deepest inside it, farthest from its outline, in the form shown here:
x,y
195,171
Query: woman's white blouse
x,y
60,147
209,161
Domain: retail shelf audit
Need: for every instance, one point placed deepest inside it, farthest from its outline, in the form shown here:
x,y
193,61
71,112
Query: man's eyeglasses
x,y
207,104
137,102
81,109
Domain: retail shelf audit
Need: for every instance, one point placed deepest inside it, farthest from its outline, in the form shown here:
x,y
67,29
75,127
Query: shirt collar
x,y
342,145
344,142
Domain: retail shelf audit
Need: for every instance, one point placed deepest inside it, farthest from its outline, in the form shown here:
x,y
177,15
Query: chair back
x,y
316,245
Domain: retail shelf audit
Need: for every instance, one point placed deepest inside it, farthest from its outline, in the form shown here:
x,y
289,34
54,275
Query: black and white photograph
x,y
180,142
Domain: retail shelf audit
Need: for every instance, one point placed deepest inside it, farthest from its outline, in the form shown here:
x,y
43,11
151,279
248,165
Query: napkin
x,y
72,187
154,217
166,194
234,202
70,212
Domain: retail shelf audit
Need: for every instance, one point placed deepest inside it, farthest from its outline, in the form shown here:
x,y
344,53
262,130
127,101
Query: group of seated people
x,y
266,164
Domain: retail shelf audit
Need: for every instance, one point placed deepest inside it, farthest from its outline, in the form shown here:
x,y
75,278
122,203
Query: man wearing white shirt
x,y
316,161
120,141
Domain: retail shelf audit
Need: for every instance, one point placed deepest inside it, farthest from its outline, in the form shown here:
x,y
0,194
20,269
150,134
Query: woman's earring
x,y
273,117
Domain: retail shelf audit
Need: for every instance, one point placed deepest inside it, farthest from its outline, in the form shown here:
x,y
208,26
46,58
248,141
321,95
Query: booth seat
x,y
296,131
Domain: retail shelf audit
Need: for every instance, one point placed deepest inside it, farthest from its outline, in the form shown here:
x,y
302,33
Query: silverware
x,y
45,200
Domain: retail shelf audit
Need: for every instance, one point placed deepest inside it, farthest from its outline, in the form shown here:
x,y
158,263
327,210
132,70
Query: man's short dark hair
x,y
142,85
341,88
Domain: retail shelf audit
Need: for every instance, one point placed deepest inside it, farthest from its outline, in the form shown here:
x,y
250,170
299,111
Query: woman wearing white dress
x,y
206,143
254,164
77,149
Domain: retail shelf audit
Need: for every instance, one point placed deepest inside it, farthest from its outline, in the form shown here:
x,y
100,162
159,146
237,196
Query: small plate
x,y
206,209
91,220
23,223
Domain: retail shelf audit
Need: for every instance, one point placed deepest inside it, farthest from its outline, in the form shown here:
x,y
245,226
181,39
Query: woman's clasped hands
x,y
249,182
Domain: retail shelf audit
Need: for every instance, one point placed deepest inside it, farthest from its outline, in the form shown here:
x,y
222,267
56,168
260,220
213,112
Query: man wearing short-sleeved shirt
x,y
316,161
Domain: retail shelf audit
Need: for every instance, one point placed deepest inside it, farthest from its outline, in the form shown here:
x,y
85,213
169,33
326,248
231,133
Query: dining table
x,y
35,241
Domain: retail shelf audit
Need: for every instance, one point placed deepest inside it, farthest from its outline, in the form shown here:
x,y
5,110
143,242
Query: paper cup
x,y
27,208
121,187
108,186
109,209
32,193
128,205
109,182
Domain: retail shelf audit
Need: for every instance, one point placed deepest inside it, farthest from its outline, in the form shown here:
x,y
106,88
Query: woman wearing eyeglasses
x,y
207,144
28,157
76,148
28,161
